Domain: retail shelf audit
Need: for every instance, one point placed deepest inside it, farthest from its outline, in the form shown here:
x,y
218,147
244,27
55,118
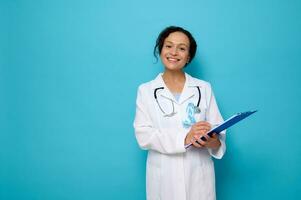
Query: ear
x,y
188,59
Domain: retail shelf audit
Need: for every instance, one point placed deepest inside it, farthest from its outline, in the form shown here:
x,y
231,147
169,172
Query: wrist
x,y
217,144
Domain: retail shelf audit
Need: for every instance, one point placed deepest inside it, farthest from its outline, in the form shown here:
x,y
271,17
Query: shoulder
x,y
146,86
150,85
203,84
146,89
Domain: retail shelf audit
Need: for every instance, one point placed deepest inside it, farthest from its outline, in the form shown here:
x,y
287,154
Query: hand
x,y
212,142
197,130
200,129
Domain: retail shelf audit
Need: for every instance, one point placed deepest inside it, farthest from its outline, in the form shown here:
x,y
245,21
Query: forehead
x,y
177,38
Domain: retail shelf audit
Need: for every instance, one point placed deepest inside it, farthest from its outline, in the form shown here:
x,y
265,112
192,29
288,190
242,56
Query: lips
x,y
171,59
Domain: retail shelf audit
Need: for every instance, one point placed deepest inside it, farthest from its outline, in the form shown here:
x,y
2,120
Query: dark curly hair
x,y
165,33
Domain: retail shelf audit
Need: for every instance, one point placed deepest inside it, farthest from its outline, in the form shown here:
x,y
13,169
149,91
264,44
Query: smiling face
x,y
175,51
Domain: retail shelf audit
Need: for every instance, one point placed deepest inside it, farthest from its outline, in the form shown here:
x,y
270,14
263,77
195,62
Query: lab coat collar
x,y
188,91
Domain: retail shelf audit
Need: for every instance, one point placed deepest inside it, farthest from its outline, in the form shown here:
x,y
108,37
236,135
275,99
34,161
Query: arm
x,y
148,136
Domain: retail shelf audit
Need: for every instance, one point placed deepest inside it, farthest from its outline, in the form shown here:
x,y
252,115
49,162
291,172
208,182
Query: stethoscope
x,y
196,108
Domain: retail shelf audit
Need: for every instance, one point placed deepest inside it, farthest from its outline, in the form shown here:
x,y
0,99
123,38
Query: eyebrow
x,y
178,43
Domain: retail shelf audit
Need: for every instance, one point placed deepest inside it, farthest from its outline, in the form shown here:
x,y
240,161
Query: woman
x,y
174,110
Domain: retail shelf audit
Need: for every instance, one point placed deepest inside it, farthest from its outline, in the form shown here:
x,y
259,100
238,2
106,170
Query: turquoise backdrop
x,y
69,71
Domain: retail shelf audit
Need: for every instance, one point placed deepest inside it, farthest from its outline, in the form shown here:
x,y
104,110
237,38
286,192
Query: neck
x,y
174,80
174,76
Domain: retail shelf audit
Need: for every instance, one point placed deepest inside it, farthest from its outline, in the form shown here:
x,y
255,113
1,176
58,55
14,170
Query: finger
x,y
204,131
204,128
200,133
196,144
214,135
197,129
200,141
195,140
203,123
207,138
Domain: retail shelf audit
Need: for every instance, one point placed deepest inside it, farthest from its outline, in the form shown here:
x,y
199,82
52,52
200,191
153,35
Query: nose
x,y
174,51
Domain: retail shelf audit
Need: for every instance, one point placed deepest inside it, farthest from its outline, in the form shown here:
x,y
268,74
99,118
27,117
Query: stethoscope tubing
x,y
173,109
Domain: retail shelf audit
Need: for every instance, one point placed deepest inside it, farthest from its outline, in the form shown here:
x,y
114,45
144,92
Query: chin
x,y
174,67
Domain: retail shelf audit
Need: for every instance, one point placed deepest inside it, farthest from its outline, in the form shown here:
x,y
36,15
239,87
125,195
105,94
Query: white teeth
x,y
173,59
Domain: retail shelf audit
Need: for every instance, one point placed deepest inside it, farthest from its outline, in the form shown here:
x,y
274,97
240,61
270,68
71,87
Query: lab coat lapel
x,y
188,90
165,93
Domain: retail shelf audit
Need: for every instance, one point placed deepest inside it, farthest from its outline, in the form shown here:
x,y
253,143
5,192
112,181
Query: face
x,y
175,51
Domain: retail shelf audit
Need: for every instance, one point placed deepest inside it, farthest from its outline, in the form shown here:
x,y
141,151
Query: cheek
x,y
163,57
185,57
163,52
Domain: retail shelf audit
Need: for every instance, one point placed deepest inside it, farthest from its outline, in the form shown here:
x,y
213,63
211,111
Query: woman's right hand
x,y
197,130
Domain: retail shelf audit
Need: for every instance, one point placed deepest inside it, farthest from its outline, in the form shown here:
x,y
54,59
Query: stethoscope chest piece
x,y
197,110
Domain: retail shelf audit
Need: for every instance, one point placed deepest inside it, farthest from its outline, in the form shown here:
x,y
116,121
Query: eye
x,y
168,46
183,49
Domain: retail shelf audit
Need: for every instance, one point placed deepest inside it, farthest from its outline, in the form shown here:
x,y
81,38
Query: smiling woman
x,y
164,38
172,111
175,54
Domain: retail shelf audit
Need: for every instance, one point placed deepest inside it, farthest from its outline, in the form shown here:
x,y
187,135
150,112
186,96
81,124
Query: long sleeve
x,y
214,117
150,137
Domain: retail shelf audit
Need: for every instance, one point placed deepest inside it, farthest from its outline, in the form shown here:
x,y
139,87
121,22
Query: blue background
x,y
69,71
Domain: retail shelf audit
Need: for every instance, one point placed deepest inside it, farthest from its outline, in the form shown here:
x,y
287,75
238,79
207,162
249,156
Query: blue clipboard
x,y
226,124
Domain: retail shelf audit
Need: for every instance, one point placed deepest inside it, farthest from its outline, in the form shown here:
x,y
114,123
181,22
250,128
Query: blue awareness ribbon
x,y
190,120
